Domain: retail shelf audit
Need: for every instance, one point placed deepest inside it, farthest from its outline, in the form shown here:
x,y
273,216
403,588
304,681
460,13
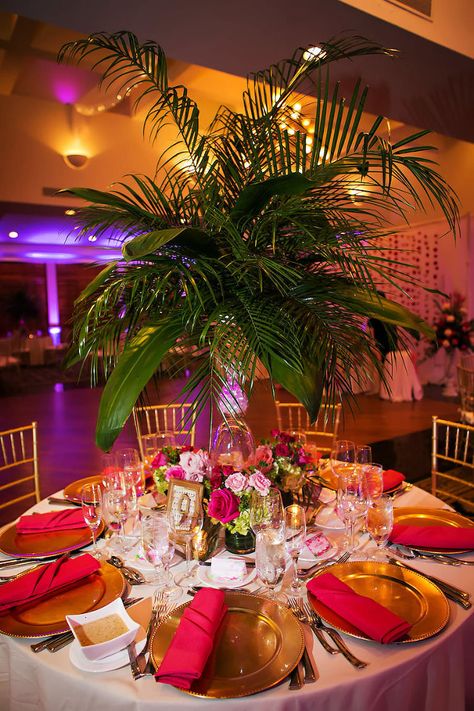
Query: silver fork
x,y
302,617
335,636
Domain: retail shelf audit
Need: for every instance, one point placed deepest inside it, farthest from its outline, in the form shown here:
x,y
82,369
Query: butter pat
x,y
228,569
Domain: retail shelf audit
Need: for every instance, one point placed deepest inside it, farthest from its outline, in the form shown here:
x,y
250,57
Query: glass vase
x,y
240,543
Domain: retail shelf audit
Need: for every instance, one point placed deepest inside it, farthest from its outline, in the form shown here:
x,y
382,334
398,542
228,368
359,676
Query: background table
x,y
432,675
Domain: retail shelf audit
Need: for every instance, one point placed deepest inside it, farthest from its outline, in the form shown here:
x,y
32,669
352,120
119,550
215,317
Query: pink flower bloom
x,y
260,483
159,461
195,464
275,433
175,472
223,505
237,482
282,450
216,477
264,458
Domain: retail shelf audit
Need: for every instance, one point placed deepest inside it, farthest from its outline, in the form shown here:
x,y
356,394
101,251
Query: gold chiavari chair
x,y
156,419
19,472
292,416
452,463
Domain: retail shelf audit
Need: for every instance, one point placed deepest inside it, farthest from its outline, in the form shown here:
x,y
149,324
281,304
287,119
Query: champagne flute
x,y
184,524
372,482
270,559
265,511
91,501
380,523
158,548
295,521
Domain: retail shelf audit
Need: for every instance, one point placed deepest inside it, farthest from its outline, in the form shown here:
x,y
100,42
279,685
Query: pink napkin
x,y
45,580
51,521
391,479
371,618
444,537
193,641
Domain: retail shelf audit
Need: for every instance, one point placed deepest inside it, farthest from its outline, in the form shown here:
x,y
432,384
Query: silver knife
x,y
247,561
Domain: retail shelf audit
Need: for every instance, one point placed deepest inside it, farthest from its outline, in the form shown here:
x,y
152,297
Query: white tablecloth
x,y
436,674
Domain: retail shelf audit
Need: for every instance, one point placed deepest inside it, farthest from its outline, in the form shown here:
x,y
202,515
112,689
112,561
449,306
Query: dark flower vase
x,y
239,543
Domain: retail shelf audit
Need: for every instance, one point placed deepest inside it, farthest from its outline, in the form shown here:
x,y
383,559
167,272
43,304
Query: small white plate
x,y
328,518
204,575
307,557
115,661
327,495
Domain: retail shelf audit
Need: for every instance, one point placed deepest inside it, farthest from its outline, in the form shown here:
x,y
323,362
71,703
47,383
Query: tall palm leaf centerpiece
x,y
247,247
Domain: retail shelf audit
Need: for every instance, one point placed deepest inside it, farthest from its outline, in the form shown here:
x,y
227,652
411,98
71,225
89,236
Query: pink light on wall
x,y
53,303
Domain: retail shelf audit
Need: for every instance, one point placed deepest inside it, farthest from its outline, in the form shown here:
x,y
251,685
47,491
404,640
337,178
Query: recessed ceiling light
x,y
13,234
70,211
92,238
311,53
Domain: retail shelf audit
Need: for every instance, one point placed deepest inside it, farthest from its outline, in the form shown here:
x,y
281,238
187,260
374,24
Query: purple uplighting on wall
x,y
64,92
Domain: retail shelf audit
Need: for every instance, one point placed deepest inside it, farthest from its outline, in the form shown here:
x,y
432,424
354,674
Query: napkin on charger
x,y
193,641
392,479
438,537
46,579
51,522
376,621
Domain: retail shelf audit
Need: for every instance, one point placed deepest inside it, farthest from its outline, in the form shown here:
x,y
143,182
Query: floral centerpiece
x,y
452,326
287,458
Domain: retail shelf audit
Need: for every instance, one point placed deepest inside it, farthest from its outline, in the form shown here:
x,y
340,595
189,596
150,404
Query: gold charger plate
x,y
404,592
72,492
48,616
328,479
432,517
42,544
259,643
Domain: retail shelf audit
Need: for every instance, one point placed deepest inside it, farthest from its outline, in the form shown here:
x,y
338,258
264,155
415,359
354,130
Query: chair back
x,y
19,473
292,416
465,372
156,419
452,462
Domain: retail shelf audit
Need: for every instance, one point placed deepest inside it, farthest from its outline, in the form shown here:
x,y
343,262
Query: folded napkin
x,y
371,618
45,580
51,521
438,537
391,479
193,641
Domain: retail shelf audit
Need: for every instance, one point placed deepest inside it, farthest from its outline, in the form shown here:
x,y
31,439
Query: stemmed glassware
x,y
128,462
121,504
185,525
295,520
351,505
270,559
380,523
91,501
159,550
266,511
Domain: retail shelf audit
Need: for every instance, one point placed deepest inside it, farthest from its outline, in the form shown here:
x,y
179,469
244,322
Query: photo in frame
x,y
184,497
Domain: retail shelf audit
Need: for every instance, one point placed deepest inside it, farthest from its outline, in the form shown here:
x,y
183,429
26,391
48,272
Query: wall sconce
x,y
76,160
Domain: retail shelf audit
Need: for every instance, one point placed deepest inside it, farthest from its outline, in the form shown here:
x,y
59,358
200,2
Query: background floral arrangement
x,y
281,463
452,326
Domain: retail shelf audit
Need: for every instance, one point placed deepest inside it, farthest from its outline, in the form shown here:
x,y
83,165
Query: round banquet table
x,y
431,675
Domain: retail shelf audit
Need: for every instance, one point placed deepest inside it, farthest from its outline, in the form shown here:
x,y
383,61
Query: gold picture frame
x,y
183,497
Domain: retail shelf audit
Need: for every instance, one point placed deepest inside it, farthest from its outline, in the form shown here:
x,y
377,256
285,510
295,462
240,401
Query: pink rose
x,y
282,450
195,464
223,505
275,433
215,477
175,472
260,483
159,461
264,458
237,482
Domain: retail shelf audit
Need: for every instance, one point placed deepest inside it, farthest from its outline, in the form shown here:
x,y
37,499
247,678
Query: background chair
x,y
19,473
465,374
156,419
291,416
452,467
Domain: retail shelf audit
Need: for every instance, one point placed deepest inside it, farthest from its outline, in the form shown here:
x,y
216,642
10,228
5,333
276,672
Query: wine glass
x,y
351,504
233,445
342,459
184,524
122,505
128,461
158,549
380,523
295,523
91,501
363,454
372,482
110,470
270,559
265,511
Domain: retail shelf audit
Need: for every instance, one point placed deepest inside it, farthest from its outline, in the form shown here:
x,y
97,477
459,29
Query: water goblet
x,y
184,525
295,524
380,523
158,549
351,505
270,560
128,460
266,511
91,501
